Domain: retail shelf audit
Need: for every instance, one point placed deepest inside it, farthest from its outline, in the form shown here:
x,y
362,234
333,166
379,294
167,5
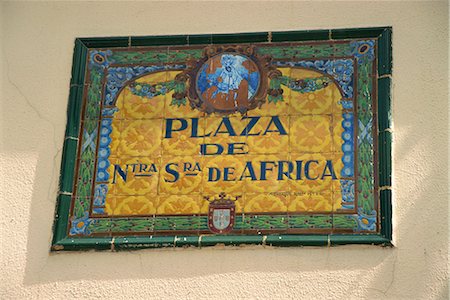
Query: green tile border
x,y
140,242
385,52
250,37
295,36
386,213
82,45
74,111
79,63
384,33
384,158
68,166
105,42
61,218
352,33
384,104
168,40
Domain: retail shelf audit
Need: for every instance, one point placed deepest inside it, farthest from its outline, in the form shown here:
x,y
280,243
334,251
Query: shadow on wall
x,y
418,237
364,266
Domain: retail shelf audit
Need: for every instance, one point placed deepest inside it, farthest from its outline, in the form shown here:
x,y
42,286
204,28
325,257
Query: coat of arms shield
x,y
221,215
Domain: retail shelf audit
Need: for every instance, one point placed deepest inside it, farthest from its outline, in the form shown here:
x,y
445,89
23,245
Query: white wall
x,y
37,44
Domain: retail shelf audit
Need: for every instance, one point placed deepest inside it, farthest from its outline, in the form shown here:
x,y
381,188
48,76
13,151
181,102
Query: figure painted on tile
x,y
228,81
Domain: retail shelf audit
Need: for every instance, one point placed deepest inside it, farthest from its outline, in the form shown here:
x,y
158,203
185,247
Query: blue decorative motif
x,y
109,111
80,225
367,221
89,140
363,51
348,193
348,145
100,194
104,151
365,132
98,210
341,70
117,78
99,59
346,104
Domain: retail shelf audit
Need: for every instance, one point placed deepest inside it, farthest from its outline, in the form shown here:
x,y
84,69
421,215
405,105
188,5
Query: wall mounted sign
x,y
272,138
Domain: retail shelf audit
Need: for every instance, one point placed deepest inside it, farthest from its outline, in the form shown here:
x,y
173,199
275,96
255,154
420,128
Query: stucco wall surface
x,y
36,49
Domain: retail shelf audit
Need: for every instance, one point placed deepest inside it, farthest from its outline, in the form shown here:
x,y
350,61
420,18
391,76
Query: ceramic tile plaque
x,y
271,138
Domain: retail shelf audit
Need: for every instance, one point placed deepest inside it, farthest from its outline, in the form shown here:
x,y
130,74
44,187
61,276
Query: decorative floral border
x,y
363,52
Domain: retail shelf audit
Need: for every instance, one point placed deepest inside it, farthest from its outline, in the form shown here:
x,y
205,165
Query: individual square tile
x,y
101,191
93,99
318,102
141,138
225,135
344,195
312,202
177,103
313,172
276,203
134,176
310,134
84,180
269,135
81,206
134,205
276,106
266,173
141,99
181,175
88,139
182,205
183,136
222,173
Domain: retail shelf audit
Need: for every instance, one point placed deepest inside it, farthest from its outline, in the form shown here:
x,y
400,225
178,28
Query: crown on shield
x,y
222,199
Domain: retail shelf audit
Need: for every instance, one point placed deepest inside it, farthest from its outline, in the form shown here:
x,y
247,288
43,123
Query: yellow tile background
x,y
313,121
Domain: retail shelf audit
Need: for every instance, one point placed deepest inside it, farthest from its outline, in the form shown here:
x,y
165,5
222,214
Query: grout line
x,y
76,85
385,187
385,76
65,193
